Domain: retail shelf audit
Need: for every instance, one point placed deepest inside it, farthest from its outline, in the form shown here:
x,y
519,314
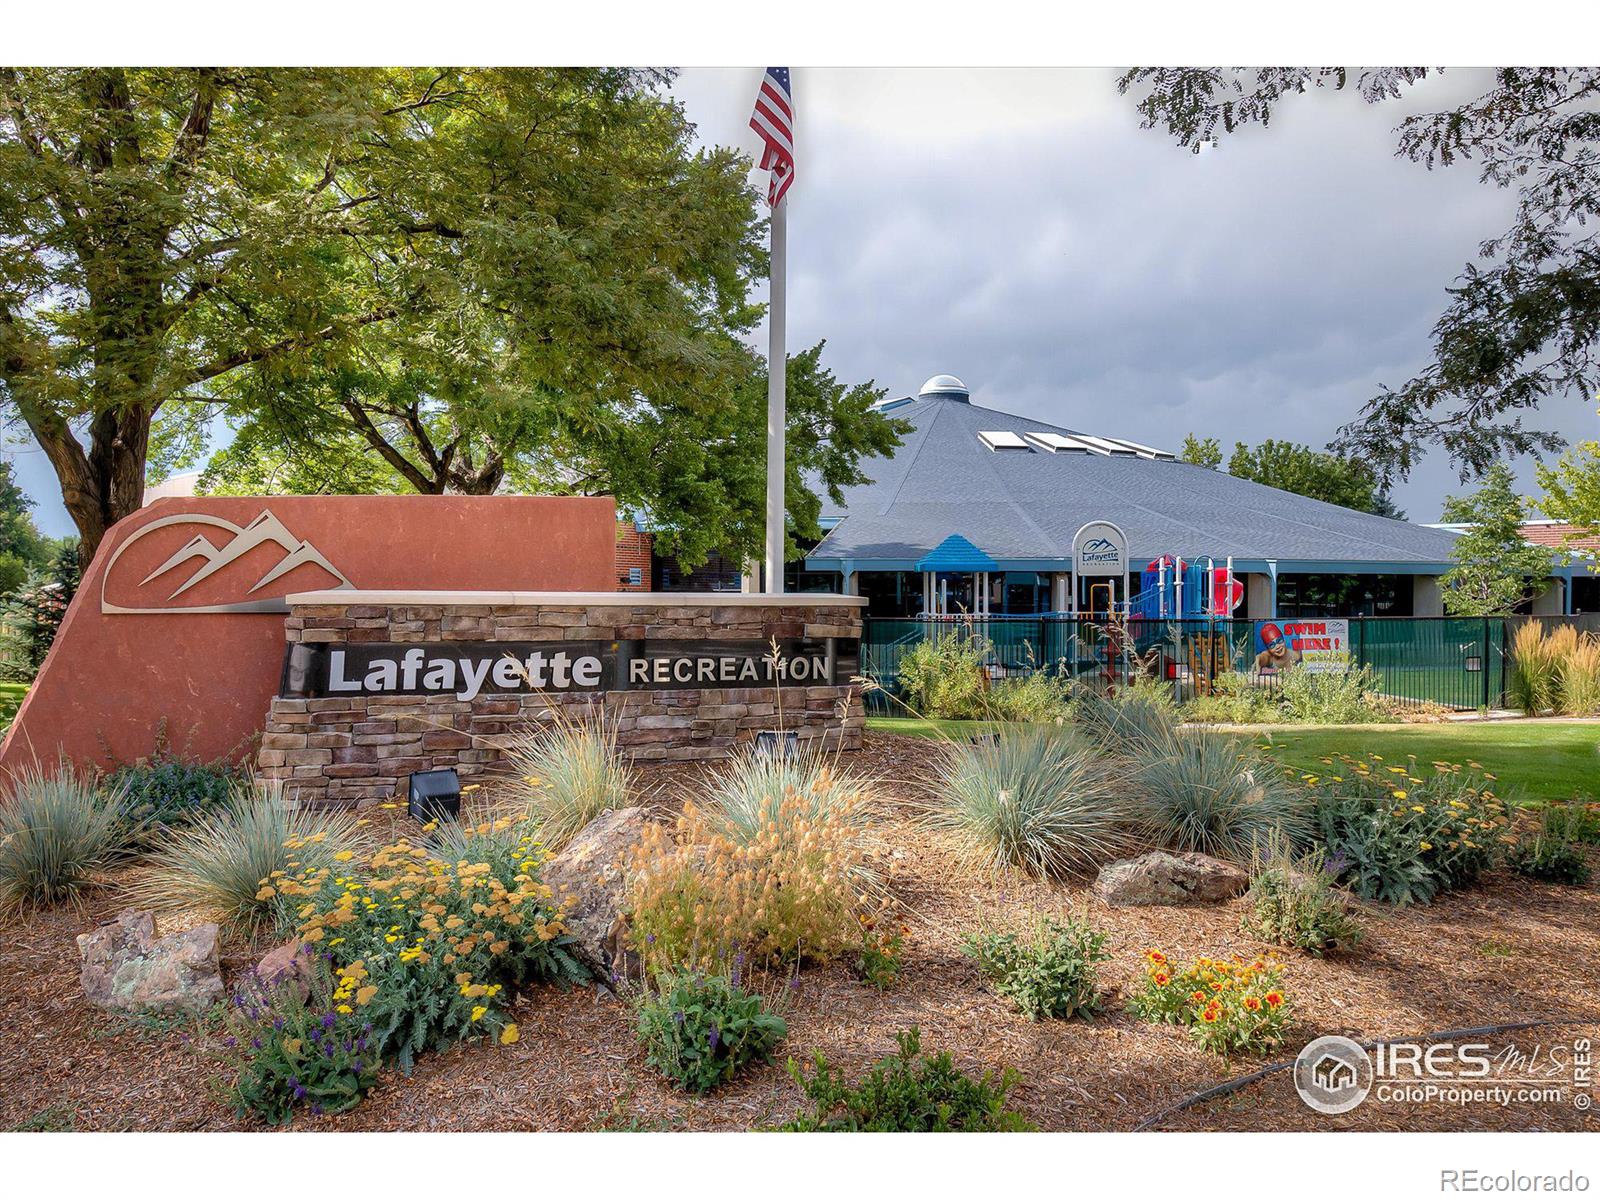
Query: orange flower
x,y
1210,1015
1197,997
1252,1003
1274,998
1156,956
1162,978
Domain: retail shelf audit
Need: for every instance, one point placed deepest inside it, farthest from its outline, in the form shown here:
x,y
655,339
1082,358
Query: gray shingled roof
x,y
1027,504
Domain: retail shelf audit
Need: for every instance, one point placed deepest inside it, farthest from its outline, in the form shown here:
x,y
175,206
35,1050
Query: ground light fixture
x,y
785,743
434,795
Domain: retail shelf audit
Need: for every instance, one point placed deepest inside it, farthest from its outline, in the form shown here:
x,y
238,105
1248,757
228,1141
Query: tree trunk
x,y
106,484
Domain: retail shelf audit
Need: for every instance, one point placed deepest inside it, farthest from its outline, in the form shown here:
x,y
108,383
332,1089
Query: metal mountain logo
x,y
206,556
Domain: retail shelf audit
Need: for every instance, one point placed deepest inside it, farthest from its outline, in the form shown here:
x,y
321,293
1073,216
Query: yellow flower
x,y
1400,794
1425,845
344,856
478,1011
345,1008
365,995
509,1034
292,1046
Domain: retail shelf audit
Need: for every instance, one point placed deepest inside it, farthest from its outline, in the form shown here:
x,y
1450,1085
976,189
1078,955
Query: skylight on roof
x,y
1061,443
1001,439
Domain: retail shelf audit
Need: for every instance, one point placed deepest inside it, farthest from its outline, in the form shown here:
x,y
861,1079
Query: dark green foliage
x,y
1577,820
1496,568
908,1092
285,1053
1054,973
36,610
1551,860
166,791
1127,720
698,1030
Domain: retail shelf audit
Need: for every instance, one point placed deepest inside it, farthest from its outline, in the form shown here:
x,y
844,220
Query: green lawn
x,y
11,695
1531,760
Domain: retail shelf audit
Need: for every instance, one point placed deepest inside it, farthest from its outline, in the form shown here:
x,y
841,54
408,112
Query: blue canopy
x,y
955,553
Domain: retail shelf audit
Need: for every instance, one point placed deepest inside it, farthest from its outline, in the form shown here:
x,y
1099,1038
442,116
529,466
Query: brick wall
x,y
358,750
633,554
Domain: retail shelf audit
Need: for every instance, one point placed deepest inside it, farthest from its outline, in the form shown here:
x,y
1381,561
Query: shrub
x,y
1127,719
284,1050
1054,973
878,959
1534,685
796,890
1227,1007
908,1092
56,831
1234,699
1551,860
745,795
1399,837
1576,820
1297,904
1330,697
217,862
427,948
942,676
569,773
167,791
1035,797
1208,793
1034,695
698,1030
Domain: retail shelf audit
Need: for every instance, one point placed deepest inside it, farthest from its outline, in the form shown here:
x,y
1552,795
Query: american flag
x,y
773,119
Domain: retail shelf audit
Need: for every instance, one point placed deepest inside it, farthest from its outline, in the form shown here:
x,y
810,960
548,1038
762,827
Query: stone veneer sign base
x,y
378,684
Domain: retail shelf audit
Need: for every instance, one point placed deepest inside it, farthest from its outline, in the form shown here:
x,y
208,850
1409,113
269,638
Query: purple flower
x,y
649,939
327,1020
713,1038
299,1092
316,1110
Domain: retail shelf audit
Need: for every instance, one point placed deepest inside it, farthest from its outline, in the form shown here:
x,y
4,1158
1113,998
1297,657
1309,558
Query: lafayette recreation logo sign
x,y
1100,548
467,670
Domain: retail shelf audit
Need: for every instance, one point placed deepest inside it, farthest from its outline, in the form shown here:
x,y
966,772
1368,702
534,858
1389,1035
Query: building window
x,y
635,576
891,593
1307,596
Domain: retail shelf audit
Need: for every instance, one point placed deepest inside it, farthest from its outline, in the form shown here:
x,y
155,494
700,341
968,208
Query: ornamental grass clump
x,y
1052,973
428,948
1534,686
568,773
1402,834
1211,794
56,832
1578,676
1234,1006
1126,720
1038,798
798,889
217,861
699,1030
740,798
907,1092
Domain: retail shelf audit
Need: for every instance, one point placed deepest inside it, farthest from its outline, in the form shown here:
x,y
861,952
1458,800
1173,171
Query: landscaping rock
x,y
1163,878
290,965
589,879
127,968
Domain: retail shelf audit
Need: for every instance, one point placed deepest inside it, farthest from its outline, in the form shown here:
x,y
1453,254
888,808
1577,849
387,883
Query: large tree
x,y
1496,568
1522,322
488,255
695,465
1295,468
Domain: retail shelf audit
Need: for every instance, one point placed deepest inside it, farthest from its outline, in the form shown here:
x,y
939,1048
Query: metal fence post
x,y
1484,665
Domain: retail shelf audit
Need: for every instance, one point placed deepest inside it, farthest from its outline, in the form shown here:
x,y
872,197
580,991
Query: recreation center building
x,y
976,512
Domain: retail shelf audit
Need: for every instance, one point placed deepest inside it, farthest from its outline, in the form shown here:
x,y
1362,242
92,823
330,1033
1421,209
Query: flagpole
x,y
777,369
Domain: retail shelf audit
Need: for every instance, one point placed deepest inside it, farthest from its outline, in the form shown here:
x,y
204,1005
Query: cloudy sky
x,y
1016,228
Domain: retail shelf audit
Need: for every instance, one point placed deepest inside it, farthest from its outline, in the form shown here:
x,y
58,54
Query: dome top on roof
x,y
946,387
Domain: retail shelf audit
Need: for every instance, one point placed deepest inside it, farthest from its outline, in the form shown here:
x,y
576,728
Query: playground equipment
x,y
1172,589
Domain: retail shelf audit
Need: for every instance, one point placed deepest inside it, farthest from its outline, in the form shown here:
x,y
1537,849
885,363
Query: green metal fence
x,y
1455,662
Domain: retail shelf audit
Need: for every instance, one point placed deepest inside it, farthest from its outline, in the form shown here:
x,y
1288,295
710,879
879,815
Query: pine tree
x,y
1497,567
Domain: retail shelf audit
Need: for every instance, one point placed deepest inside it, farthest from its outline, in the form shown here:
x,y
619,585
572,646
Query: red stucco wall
x,y
114,679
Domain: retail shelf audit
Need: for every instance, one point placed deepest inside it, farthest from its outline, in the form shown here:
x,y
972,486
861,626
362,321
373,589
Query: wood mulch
x,y
1508,950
